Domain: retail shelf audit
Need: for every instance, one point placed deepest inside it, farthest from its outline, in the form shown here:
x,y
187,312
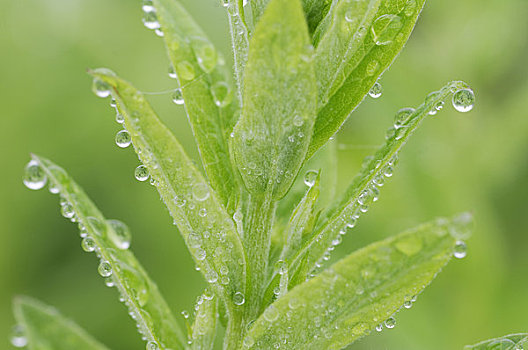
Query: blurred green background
x,y
476,161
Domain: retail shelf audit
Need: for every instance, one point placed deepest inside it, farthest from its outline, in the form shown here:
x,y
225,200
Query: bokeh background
x,y
476,161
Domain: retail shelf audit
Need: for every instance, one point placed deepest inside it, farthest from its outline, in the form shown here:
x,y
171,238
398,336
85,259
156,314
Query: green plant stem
x,y
260,217
234,333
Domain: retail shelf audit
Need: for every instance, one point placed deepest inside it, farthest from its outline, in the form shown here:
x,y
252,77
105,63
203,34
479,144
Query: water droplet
x,y
18,336
208,294
460,250
390,322
388,171
147,6
123,139
379,327
310,177
150,19
205,53
120,119
200,254
221,94
385,28
372,67
464,100
141,173
239,299
159,32
105,269
172,73
271,314
88,244
185,70
185,314
402,117
34,176
202,212
177,97
100,88
152,345
376,90
211,276
350,15
120,234
200,191
407,304
67,210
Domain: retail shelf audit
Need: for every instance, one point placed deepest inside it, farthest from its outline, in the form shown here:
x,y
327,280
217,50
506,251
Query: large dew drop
x,y
120,234
310,177
150,19
141,173
122,139
100,88
460,250
105,269
376,90
18,337
238,298
200,192
152,345
34,177
177,97
464,100
385,28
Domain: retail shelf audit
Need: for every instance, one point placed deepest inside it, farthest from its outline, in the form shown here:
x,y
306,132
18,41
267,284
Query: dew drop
x,y
407,304
120,119
88,244
34,176
100,88
460,250
385,28
239,299
221,94
464,100
376,90
379,327
18,336
120,234
177,97
211,276
186,70
185,314
105,269
402,117
390,322
205,53
271,314
147,5
310,177
141,173
202,212
200,254
172,73
152,345
123,139
200,192
150,19
67,210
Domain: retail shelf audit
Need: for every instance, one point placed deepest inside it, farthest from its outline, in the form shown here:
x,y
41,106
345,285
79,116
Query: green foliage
x,y
258,236
43,328
507,342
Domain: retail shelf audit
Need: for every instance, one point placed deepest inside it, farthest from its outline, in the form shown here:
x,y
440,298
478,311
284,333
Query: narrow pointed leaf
x,y
508,342
141,295
206,91
239,40
204,326
349,299
336,55
271,138
364,189
204,224
44,328
383,39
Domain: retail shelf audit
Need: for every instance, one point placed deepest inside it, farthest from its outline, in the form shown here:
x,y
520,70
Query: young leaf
x,y
365,187
315,11
271,138
141,295
384,38
43,328
353,296
206,92
204,326
204,224
507,342
239,40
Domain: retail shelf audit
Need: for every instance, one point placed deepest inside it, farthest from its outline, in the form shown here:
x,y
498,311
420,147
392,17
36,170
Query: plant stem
x,y
257,240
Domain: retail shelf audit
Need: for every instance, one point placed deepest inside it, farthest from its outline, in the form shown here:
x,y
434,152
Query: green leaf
x,y
271,138
206,91
507,342
207,229
45,329
239,29
371,54
353,296
204,326
315,11
145,303
364,189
